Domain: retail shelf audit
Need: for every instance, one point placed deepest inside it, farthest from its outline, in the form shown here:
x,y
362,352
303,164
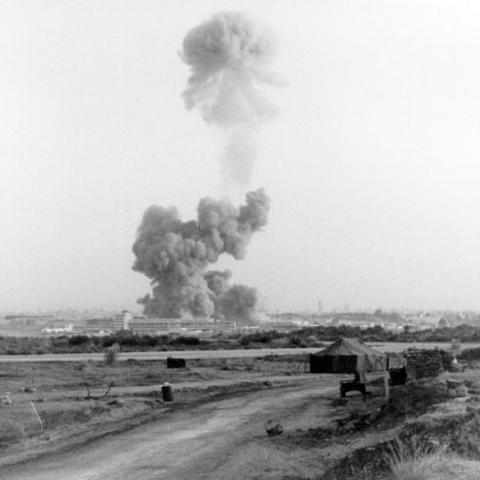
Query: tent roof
x,y
348,347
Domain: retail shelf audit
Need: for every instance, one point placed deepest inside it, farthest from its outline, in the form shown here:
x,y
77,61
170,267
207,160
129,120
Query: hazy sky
x,y
373,167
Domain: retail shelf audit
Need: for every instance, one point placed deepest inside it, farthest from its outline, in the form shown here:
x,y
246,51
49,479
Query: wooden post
x,y
38,416
386,377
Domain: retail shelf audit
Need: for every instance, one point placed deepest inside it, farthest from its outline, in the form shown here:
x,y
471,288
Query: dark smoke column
x,y
176,254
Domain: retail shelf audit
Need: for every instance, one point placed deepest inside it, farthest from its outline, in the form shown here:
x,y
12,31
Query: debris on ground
x,y
273,428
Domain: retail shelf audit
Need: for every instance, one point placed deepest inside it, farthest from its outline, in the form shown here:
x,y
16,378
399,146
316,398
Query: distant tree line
x,y
305,337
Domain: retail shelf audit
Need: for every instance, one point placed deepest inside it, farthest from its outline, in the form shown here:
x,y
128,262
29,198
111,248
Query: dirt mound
x,y
372,462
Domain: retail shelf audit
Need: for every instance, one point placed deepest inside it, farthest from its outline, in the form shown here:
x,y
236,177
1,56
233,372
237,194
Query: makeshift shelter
x,y
348,355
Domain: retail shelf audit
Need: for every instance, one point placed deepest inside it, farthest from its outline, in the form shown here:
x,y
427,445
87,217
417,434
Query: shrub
x,y
10,432
78,340
107,342
79,367
263,337
470,354
181,340
110,356
298,341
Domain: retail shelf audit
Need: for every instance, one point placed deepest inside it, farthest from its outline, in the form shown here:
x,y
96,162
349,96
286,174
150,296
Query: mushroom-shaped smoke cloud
x,y
230,56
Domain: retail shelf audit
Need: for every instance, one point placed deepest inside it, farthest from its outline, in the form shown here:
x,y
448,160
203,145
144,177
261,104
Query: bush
x,y
78,340
181,340
263,337
110,356
470,354
10,432
298,341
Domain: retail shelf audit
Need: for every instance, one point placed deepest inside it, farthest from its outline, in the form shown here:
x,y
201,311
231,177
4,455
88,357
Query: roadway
x,y
216,439
204,354
187,354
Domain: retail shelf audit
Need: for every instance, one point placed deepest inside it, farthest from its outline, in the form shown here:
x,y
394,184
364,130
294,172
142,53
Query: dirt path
x,y
179,386
215,440
209,354
156,355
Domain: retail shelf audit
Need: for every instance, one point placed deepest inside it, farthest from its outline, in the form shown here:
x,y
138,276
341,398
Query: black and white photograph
x,y
239,240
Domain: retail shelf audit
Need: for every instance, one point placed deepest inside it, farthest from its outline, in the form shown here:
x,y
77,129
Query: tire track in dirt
x,y
220,439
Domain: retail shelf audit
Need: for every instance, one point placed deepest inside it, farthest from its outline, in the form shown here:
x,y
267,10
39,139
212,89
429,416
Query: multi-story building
x,y
97,325
156,326
164,326
121,320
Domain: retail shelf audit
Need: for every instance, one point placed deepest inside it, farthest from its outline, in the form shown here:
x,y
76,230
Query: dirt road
x,y
202,354
156,355
215,440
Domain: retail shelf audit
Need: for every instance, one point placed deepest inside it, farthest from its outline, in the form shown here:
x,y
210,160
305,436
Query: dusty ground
x,y
58,391
224,437
220,404
214,429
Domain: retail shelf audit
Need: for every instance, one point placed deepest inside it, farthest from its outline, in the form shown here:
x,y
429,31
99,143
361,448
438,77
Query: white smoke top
x,y
231,56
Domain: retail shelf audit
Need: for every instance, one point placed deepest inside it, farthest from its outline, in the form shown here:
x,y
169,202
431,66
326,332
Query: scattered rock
x,y
5,400
273,428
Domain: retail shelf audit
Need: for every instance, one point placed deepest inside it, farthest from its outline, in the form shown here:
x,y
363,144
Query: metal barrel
x,y
167,392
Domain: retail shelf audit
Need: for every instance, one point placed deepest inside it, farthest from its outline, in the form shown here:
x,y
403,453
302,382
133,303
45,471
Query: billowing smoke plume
x,y
239,303
230,56
236,302
217,282
175,255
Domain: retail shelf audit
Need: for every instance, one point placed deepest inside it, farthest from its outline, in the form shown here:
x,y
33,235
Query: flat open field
x,y
87,420
218,419
217,354
400,347
71,398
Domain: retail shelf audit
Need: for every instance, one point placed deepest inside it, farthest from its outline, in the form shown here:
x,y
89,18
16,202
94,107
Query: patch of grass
x,y
338,402
412,399
53,418
373,462
419,462
10,432
453,426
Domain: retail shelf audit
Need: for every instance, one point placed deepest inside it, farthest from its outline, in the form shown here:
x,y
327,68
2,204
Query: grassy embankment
x,y
439,437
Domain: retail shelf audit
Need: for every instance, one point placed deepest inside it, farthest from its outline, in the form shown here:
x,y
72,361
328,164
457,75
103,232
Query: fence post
x,y
386,384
